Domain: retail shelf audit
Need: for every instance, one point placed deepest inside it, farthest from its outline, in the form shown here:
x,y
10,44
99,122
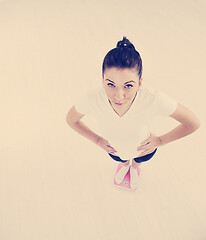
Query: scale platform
x,y
126,181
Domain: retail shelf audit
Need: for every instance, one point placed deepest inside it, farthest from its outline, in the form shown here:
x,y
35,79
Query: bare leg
x,y
135,164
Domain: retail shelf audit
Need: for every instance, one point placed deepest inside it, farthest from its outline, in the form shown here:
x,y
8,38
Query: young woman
x,y
123,108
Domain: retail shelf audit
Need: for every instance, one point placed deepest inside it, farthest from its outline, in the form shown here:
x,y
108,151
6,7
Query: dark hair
x,y
123,56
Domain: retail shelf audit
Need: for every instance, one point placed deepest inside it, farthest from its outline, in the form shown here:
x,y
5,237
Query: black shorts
x,y
138,159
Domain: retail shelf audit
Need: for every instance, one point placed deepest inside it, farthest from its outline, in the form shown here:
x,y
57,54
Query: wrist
x,y
160,141
98,139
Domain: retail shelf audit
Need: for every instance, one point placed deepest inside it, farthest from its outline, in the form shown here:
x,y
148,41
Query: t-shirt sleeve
x,y
84,104
164,105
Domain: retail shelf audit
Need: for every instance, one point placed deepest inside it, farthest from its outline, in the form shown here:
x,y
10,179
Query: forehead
x,y
121,74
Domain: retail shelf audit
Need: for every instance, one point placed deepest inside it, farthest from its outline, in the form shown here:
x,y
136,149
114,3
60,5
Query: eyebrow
x,y
114,82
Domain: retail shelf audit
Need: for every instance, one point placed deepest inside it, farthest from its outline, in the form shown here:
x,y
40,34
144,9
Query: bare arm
x,y
73,120
189,123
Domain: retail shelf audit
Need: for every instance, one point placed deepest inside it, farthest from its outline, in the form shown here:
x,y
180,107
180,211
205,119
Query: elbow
x,y
195,125
198,124
70,122
68,119
73,117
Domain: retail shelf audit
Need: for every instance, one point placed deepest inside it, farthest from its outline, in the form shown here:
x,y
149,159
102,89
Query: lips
x,y
118,103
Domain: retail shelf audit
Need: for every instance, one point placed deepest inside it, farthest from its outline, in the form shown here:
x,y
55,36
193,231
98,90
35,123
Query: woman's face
x,y
121,85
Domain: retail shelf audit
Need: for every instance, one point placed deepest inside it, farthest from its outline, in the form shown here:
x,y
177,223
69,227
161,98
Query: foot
x,y
121,174
133,178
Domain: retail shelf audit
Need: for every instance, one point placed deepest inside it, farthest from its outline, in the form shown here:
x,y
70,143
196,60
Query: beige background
x,y
57,185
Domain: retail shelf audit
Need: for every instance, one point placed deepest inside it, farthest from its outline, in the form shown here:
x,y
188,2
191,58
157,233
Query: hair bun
x,y
125,43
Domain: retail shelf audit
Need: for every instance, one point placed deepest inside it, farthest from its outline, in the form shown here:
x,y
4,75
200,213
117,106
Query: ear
x,y
140,81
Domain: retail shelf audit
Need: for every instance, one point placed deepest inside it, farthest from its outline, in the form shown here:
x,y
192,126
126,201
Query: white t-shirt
x,y
127,132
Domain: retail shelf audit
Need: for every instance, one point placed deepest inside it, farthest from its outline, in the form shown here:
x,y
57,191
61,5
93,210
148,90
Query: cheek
x,y
108,92
132,94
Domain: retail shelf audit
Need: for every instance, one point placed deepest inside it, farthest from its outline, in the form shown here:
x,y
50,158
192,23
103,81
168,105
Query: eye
x,y
111,84
129,85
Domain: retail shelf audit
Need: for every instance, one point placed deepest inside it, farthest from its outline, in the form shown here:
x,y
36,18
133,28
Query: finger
x,y
114,154
142,147
145,152
111,148
108,145
148,151
146,141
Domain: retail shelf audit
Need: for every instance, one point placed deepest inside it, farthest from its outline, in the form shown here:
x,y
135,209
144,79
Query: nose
x,y
119,95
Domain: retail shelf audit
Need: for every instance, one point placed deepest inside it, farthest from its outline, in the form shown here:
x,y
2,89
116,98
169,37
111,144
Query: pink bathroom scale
x,y
126,181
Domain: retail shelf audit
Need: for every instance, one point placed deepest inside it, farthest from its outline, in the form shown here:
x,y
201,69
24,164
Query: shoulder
x,y
147,93
153,93
88,101
149,90
97,93
94,96
161,102
91,93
